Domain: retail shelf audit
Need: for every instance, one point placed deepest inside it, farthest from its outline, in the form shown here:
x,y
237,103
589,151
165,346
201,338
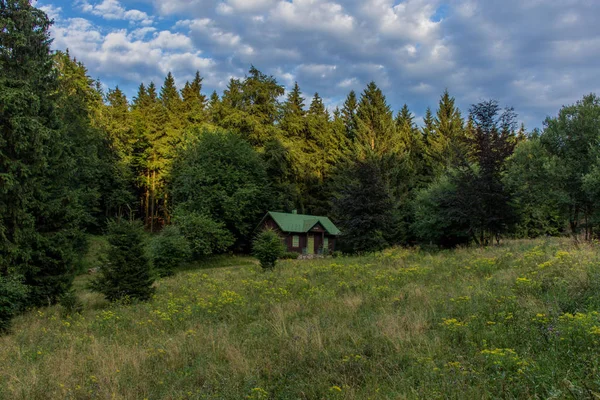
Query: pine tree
x,y
126,273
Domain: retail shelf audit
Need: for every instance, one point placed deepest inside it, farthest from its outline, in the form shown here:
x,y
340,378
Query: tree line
x,y
73,158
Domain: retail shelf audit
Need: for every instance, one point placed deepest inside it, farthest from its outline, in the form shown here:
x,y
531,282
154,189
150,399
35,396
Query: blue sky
x,y
534,55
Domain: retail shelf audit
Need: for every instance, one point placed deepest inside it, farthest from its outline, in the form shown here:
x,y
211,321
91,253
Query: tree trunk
x,y
153,200
147,199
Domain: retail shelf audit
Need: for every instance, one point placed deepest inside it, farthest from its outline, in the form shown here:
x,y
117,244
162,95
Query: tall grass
x,y
513,321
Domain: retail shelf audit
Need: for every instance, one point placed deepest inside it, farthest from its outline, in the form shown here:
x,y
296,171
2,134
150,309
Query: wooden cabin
x,y
304,234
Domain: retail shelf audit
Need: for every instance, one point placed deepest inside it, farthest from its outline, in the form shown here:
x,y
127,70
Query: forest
x,y
204,168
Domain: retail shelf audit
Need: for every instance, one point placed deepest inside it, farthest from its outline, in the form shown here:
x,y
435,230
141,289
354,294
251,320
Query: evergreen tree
x,y
193,101
445,142
215,108
349,115
375,125
169,95
39,210
292,116
363,208
98,136
428,127
126,273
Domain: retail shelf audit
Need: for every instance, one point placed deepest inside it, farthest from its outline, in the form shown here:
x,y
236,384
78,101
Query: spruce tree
x,y
375,125
446,142
126,271
349,115
364,209
428,127
39,210
193,101
292,114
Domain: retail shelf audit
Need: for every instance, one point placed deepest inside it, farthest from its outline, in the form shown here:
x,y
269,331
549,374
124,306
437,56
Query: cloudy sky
x,y
534,55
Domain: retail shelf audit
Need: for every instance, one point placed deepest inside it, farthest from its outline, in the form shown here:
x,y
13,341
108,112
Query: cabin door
x,y
310,245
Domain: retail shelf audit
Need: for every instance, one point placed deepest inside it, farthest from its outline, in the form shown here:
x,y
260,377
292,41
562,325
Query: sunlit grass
x,y
517,320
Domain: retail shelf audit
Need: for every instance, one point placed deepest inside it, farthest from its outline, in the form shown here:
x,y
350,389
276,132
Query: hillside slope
x,y
518,321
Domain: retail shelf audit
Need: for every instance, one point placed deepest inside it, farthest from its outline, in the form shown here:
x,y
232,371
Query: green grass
x,y
518,320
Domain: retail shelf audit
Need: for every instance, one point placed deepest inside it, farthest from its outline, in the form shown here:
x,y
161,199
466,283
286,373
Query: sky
x,y
533,55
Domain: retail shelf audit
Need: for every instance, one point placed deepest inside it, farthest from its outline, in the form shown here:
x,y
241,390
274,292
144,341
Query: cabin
x,y
304,234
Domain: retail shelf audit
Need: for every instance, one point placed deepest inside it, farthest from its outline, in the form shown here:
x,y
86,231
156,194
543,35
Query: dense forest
x,y
208,166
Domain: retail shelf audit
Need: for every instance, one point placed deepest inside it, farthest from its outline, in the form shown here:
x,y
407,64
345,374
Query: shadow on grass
x,y
218,261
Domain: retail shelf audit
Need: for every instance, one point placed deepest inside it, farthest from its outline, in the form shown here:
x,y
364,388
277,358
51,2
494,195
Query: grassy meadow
x,y
519,320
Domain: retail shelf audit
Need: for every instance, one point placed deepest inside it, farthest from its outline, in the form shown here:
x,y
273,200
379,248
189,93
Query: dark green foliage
x,y
490,143
40,210
364,209
572,139
220,177
126,272
205,235
289,255
70,303
13,298
438,217
168,250
268,247
534,179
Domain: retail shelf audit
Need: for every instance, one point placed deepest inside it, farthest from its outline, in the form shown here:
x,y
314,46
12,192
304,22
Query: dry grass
x,y
504,321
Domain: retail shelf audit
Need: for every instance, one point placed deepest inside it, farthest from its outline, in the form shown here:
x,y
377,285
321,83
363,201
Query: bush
x,y
168,250
438,219
268,247
289,255
204,235
70,303
13,296
126,271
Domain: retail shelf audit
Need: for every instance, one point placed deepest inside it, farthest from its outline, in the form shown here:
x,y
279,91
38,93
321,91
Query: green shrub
x,y
13,296
169,249
70,303
204,235
126,271
267,247
289,255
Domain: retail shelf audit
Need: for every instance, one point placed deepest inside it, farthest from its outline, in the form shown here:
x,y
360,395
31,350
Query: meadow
x,y
518,320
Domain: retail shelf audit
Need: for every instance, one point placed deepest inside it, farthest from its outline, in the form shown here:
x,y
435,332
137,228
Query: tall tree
x,y
363,207
572,139
375,125
491,142
292,114
193,101
445,142
349,115
39,211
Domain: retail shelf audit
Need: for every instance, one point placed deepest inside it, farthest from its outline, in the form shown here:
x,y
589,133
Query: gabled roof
x,y
300,223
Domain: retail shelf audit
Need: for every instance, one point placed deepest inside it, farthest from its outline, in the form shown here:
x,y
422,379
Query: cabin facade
x,y
304,234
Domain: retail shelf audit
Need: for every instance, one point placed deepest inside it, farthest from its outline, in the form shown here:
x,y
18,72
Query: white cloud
x,y
532,54
113,10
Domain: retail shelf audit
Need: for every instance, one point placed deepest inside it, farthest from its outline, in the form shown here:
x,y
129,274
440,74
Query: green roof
x,y
302,223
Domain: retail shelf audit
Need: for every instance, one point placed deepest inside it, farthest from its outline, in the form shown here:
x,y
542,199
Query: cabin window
x,y
295,241
326,243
